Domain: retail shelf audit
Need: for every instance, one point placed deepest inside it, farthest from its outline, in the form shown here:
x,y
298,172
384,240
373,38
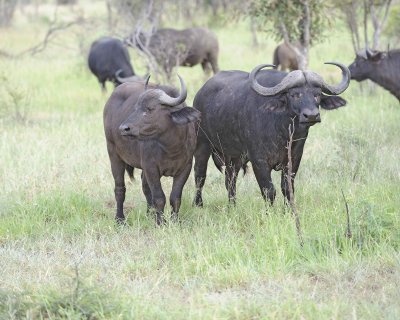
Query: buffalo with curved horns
x,y
150,127
380,67
246,117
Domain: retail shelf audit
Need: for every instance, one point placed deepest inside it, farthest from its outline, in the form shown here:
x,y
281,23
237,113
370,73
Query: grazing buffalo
x,y
246,117
187,48
380,67
285,57
151,129
109,58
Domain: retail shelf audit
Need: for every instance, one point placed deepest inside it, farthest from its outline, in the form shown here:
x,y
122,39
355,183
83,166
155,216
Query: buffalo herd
x,y
237,117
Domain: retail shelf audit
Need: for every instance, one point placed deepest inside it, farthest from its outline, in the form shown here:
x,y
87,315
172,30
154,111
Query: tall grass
x,y
63,257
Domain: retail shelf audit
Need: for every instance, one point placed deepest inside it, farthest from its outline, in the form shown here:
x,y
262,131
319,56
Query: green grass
x,y
62,256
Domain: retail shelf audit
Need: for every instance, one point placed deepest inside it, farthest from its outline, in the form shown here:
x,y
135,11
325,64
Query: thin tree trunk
x,y
378,25
253,28
109,15
366,24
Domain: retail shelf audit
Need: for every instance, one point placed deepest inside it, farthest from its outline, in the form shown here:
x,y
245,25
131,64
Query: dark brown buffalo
x,y
108,58
188,47
151,129
285,57
380,67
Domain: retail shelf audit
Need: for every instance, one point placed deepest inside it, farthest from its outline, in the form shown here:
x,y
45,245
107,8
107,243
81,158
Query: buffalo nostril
x,y
311,117
124,128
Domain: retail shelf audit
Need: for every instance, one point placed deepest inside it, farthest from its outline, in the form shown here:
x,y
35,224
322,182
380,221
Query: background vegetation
x,y
63,257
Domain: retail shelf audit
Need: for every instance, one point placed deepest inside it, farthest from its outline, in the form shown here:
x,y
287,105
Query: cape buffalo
x,y
151,129
246,117
380,67
107,57
285,57
187,48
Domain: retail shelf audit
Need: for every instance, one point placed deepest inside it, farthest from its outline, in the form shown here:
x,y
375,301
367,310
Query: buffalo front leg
x,y
158,196
285,185
263,176
201,156
297,152
118,171
147,192
176,192
231,173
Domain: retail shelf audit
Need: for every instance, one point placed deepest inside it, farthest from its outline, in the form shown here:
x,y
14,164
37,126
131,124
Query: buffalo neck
x,y
387,76
287,120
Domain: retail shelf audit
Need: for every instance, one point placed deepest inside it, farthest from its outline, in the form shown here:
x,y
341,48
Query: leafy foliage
x,y
271,13
392,29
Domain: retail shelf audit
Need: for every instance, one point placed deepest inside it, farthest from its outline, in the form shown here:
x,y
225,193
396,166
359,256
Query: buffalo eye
x,y
317,97
296,95
148,109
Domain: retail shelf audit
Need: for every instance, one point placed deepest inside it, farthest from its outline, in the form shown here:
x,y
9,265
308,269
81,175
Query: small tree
x,y
299,23
359,14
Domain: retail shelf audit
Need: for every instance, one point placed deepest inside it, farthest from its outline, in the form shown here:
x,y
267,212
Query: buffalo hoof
x,y
160,220
120,221
198,202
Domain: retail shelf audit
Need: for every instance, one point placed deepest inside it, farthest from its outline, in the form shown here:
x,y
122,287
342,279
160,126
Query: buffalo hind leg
x,y
231,173
176,192
213,59
263,176
206,67
201,156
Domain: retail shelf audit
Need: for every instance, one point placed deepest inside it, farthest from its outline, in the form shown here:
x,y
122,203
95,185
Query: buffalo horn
x,y
316,79
127,79
369,53
173,102
293,79
146,82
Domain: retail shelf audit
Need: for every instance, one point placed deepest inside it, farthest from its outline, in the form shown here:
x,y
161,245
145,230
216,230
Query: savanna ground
x,y
62,256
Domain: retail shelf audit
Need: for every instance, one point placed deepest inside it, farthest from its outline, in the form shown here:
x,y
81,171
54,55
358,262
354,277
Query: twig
x,y
75,293
41,46
290,185
348,229
49,34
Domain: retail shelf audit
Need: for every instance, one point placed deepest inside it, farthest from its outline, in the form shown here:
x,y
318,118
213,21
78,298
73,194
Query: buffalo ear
x,y
331,102
185,115
376,55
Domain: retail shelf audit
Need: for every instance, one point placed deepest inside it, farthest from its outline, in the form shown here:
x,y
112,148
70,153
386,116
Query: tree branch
x,y
290,185
41,46
348,229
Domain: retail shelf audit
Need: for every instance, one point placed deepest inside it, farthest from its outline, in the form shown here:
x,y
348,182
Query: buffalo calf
x,y
150,127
